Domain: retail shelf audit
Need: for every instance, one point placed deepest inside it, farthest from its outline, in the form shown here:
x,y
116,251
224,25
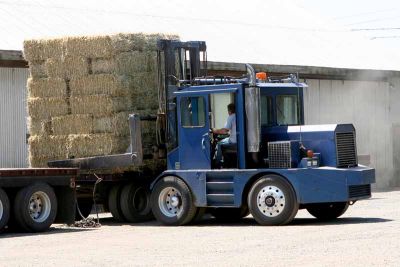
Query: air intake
x,y
357,191
346,150
279,154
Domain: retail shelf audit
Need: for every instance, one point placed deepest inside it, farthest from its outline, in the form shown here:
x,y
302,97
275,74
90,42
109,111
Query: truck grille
x,y
346,150
359,191
279,154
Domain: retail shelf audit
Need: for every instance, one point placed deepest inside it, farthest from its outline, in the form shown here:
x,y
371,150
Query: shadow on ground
x,y
250,222
14,233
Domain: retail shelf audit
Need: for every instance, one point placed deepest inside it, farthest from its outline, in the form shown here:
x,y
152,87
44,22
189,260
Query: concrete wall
x,y
374,109
13,130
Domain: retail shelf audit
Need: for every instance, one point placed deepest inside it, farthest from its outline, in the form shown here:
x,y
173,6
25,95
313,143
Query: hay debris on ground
x,y
47,87
72,124
45,108
99,84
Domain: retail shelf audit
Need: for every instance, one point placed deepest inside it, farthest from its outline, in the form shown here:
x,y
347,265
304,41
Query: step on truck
x,y
275,166
32,199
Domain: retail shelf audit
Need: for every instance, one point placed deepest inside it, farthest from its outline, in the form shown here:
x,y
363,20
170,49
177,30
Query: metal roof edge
x,y
12,59
310,72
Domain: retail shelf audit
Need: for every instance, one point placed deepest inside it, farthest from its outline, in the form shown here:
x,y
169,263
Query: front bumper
x,y
327,184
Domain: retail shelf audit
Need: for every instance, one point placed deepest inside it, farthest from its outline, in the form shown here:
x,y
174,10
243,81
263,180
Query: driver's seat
x,y
229,154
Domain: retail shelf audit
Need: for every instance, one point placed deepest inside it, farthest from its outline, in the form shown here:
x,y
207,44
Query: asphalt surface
x,y
368,234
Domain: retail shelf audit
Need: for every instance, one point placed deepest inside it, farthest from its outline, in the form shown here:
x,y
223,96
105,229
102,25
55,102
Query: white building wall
x,y
13,130
368,105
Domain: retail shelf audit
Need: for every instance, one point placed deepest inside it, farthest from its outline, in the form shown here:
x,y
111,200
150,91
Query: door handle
x,y
203,141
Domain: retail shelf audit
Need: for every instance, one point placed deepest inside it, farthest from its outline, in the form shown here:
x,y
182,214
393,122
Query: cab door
x,y
194,126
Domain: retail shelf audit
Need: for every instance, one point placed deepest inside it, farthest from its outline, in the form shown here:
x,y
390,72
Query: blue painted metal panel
x,y
194,145
316,185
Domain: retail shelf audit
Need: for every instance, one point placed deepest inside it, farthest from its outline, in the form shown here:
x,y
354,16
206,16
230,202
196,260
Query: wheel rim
x,y
170,202
39,206
1,209
271,201
140,200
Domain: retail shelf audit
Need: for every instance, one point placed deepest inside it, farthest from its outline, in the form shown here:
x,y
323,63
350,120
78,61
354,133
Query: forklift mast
x,y
181,61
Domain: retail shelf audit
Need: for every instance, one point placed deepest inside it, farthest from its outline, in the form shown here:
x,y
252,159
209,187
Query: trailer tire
x,y
230,214
35,207
4,209
135,203
172,202
272,200
114,203
327,211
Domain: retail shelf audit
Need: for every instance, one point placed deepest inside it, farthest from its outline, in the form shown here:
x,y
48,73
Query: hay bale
x,y
98,84
72,124
99,105
89,46
130,63
50,146
47,87
152,38
39,127
45,108
36,50
37,69
67,67
101,65
125,42
86,145
116,124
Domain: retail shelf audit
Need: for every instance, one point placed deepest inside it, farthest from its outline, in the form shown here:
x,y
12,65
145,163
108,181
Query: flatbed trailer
x,y
32,199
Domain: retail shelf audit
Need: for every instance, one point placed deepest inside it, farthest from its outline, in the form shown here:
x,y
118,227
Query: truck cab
x,y
279,105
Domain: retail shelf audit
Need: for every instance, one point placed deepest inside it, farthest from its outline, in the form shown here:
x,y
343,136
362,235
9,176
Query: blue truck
x,y
277,165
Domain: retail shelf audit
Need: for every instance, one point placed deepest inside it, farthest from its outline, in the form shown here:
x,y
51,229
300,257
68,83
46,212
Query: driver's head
x,y
231,108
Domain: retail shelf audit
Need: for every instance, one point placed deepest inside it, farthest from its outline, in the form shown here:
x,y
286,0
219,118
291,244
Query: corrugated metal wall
x,y
368,106
13,130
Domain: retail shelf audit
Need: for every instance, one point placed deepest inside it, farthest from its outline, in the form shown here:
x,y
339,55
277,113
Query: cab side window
x,y
193,113
267,115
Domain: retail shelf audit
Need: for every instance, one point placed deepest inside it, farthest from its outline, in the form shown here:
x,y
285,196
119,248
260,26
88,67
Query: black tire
x,y
4,209
135,203
272,200
85,206
114,203
185,209
199,215
327,211
230,214
41,197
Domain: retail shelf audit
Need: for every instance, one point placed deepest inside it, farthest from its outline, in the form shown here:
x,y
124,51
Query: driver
x,y
229,128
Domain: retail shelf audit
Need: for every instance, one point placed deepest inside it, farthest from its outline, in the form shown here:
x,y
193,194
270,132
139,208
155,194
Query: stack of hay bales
x,y
81,90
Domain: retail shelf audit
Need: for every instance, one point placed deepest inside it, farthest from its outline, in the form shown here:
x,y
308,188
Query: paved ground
x,y
368,234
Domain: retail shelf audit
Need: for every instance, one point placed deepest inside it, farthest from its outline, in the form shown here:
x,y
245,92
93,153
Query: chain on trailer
x,y
89,222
